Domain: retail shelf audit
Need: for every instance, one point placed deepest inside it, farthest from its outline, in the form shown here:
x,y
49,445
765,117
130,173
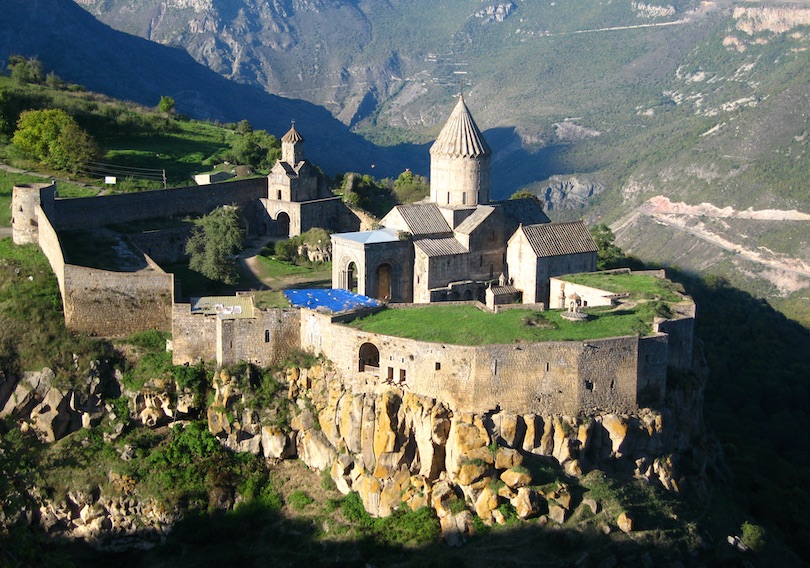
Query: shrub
x,y
753,536
299,500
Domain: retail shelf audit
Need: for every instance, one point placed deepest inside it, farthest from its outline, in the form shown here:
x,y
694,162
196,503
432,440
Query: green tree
x,y
166,105
609,255
410,188
213,244
523,194
53,138
26,70
256,148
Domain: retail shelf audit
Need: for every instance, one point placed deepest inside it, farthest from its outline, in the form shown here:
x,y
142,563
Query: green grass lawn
x,y
639,286
467,325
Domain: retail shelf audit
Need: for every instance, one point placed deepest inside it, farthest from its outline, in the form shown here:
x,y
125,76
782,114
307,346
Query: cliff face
x,y
394,447
391,446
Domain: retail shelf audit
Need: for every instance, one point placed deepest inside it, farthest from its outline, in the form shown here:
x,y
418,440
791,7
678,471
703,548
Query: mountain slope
x,y
82,50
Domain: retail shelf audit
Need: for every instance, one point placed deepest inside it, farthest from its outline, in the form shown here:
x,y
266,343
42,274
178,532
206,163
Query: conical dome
x,y
292,136
460,162
460,137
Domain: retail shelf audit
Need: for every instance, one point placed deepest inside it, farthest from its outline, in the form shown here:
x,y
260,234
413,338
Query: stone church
x,y
457,244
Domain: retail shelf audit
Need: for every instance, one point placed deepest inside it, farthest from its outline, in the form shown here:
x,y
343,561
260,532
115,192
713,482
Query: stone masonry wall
x,y
264,340
543,378
107,303
194,336
681,338
51,248
94,212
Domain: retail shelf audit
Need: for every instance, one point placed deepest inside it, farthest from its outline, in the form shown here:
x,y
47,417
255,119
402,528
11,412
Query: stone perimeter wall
x,y
605,375
95,212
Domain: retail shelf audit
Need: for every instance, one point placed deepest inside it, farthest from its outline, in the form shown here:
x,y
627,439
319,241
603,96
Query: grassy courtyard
x,y
467,325
639,286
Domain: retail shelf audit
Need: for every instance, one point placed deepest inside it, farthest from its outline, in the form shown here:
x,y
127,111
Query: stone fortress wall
x,y
617,374
108,303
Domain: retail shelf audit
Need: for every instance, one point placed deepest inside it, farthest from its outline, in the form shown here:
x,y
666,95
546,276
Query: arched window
x,y
369,358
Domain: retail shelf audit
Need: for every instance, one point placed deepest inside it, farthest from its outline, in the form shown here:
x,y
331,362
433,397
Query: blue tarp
x,y
333,299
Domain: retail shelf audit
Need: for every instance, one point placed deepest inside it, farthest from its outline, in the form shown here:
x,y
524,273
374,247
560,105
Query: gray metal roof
x,y
556,239
526,211
383,235
470,223
424,219
446,246
460,137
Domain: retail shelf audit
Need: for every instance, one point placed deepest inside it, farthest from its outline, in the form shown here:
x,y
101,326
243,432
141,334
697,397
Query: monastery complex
x,y
456,246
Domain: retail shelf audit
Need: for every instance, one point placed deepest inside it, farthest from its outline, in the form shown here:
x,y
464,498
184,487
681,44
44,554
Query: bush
x,y
299,500
753,536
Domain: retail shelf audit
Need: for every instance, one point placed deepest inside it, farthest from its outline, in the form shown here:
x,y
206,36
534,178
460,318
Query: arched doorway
x,y
283,225
351,277
468,294
369,358
384,281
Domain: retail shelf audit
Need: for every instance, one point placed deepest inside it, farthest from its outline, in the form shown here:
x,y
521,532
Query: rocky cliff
x,y
390,446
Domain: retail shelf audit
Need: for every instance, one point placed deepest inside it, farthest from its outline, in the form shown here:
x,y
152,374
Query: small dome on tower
x,y
292,135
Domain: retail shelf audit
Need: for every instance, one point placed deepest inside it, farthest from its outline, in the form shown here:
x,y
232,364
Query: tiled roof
x,y
522,211
292,136
556,239
504,290
470,223
424,219
461,137
447,246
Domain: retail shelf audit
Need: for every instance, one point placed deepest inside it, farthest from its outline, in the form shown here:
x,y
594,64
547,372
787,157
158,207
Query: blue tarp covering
x,y
333,299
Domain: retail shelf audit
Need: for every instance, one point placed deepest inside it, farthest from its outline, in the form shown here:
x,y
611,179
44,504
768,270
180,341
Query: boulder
x,y
507,458
275,443
487,502
617,429
557,513
471,471
625,522
591,504
315,450
52,418
516,478
527,502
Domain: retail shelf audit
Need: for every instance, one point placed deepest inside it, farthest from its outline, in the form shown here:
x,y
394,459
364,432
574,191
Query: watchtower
x,y
24,202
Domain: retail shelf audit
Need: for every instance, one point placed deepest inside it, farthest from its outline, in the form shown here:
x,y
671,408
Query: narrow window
x,y
589,385
448,197
267,336
402,375
547,367
481,261
279,195
464,198
390,374
438,366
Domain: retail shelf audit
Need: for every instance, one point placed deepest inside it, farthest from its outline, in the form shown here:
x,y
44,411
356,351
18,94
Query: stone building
x,y
457,244
297,198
